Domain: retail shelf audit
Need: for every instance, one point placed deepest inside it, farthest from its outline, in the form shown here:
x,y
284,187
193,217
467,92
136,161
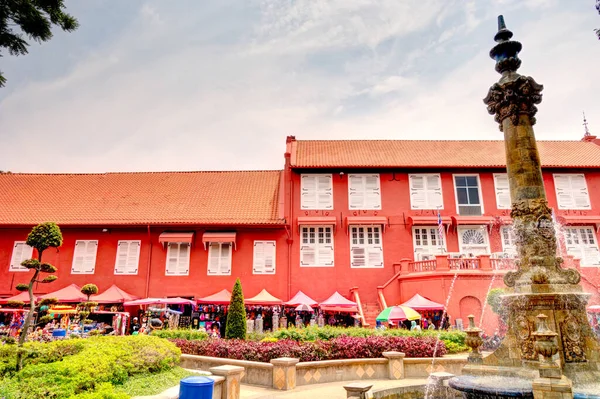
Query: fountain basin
x,y
587,391
491,387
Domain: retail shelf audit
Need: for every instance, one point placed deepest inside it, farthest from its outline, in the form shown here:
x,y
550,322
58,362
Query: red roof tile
x,y
434,154
212,198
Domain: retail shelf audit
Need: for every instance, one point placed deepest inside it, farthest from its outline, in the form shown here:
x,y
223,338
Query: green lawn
x,y
153,383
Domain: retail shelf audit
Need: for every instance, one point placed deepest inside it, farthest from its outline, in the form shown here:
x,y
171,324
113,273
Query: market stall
x,y
69,294
337,311
212,310
300,310
431,312
260,311
110,309
21,297
158,317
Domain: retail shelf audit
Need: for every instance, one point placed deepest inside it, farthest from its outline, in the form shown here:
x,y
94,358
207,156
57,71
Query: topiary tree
x,y
87,290
43,236
15,304
236,315
494,300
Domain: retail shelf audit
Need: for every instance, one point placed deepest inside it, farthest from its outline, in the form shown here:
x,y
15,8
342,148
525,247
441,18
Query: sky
x,y
219,84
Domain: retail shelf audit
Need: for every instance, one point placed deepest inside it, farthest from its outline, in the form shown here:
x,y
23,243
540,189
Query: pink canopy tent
x,y
418,302
113,295
337,303
594,309
71,293
160,301
23,297
263,298
301,299
222,297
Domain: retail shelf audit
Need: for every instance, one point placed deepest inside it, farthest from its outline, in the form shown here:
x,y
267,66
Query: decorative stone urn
x,y
474,341
546,346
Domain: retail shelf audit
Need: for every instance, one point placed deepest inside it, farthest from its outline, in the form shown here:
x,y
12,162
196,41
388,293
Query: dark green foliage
x,y
48,302
89,289
31,263
236,315
49,279
45,235
47,268
15,304
22,287
45,319
494,299
90,304
35,18
183,333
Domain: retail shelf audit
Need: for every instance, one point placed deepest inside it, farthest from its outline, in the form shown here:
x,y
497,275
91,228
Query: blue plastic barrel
x,y
196,387
59,332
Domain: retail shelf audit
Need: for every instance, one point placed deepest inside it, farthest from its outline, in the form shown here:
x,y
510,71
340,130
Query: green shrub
x,y
186,333
236,315
86,366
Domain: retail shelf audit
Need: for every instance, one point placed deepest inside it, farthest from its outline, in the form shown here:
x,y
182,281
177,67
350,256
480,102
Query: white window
x,y
473,240
581,243
84,257
427,242
317,246
502,191
364,192
468,195
128,257
219,259
21,252
317,192
264,257
572,191
508,241
366,249
426,191
178,259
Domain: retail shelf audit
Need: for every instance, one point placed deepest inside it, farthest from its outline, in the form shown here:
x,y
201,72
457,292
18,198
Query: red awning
x,y
263,298
573,219
70,293
324,220
367,220
113,295
176,237
427,220
337,300
301,299
472,220
222,297
418,302
347,309
22,297
219,237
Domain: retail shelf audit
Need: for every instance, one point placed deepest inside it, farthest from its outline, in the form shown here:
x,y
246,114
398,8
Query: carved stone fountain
x,y
541,291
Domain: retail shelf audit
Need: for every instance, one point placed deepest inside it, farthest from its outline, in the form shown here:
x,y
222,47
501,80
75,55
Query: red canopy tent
x,y
418,302
159,301
263,298
301,299
71,293
113,295
23,297
337,303
222,297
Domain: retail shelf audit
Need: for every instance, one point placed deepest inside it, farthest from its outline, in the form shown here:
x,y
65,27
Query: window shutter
x,y
579,191
225,260
213,258
309,189
375,256
183,264
21,252
591,256
372,192
270,254
502,191
172,258
259,257
433,192
563,192
84,257
90,257
356,192
324,192
325,255
359,256
418,195
133,257
308,255
122,257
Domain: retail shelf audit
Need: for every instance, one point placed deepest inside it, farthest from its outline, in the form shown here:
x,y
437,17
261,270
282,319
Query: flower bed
x,y
342,347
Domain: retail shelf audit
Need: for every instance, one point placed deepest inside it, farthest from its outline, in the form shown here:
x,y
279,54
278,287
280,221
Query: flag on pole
x,y
440,228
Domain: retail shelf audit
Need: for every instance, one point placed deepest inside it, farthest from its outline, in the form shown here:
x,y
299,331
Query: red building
x,y
358,217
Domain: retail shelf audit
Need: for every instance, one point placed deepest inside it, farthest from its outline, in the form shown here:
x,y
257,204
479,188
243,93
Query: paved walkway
x,y
331,390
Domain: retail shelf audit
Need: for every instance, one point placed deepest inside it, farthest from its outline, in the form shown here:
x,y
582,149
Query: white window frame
x,y
428,204
484,231
306,247
264,251
421,252
456,193
371,199
507,237
182,263
586,191
131,256
375,247
500,190
87,254
578,243
305,193
24,253
223,263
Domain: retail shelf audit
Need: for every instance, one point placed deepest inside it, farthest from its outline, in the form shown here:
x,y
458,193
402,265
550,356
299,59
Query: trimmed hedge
x,y
336,348
84,368
183,333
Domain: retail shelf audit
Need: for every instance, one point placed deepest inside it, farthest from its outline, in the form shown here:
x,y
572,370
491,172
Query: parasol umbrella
x,y
397,313
304,308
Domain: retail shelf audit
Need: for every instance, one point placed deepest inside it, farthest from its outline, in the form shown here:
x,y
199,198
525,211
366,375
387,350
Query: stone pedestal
x,y
552,388
284,373
395,365
437,387
233,377
357,390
